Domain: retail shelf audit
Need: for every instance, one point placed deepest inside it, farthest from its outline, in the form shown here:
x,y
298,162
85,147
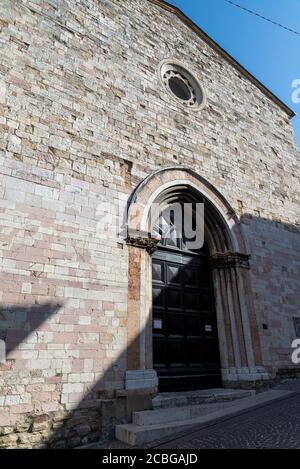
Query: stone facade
x,y
84,119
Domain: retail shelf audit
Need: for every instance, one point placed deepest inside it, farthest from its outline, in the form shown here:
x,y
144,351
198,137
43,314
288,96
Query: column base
x,y
141,380
245,374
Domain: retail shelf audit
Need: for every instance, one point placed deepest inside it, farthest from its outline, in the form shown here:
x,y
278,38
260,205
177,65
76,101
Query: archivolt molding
x,y
222,224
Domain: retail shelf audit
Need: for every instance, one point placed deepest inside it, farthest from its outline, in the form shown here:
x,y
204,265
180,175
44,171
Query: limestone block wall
x,y
83,119
275,273
63,293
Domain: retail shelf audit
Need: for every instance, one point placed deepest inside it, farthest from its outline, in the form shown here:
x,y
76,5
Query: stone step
x,y
177,414
139,435
204,396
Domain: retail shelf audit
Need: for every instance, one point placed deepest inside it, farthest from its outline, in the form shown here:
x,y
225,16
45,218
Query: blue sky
x,y
270,53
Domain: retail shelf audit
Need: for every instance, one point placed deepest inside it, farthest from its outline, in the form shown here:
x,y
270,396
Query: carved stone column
x,y
236,315
140,376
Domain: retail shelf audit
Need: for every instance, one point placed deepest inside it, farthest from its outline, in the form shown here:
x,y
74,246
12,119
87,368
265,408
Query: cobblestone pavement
x,y
274,425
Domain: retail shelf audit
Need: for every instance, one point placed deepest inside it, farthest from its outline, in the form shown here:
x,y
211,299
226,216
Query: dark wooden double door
x,y
185,339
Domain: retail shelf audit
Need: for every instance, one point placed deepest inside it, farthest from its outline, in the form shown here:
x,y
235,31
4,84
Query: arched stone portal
x,y
239,344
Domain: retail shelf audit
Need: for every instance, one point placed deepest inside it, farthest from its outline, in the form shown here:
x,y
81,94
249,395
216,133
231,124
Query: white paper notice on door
x,y
157,324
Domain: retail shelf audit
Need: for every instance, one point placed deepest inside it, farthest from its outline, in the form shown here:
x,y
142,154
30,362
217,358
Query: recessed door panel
x,y
173,298
157,272
185,340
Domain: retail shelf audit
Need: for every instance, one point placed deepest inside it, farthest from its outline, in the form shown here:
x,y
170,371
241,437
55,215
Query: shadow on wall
x,y
275,261
89,418
18,322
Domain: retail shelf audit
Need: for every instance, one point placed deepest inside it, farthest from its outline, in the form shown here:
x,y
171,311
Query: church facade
x,y
108,108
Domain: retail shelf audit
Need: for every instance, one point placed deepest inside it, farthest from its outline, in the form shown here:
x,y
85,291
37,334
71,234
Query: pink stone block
x,y
77,366
21,409
6,418
49,407
41,396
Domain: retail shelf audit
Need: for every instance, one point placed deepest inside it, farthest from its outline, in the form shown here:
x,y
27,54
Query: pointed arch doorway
x,y
185,337
155,265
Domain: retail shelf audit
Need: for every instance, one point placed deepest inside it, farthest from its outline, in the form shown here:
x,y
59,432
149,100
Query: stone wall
x,y
83,119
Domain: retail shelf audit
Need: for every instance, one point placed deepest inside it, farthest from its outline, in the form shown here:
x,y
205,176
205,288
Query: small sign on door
x,y
208,328
157,324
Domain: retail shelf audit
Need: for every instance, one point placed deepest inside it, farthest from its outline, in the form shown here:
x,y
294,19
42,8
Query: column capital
x,y
230,260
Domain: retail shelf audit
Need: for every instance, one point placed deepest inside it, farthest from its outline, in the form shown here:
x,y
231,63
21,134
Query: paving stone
x,y
274,426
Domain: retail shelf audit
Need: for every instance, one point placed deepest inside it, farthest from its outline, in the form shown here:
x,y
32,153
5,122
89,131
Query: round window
x,y
180,88
182,85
